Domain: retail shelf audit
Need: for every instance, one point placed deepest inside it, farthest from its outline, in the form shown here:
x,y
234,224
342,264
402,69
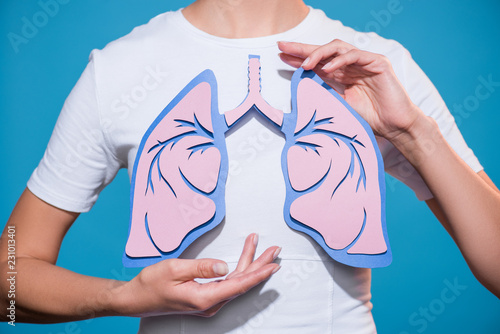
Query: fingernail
x,y
306,62
276,253
275,270
255,239
327,66
221,269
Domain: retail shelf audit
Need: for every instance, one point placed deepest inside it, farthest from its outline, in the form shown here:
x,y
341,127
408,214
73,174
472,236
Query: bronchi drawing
x,y
333,170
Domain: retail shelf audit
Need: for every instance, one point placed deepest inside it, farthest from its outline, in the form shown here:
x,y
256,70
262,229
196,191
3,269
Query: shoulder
x,y
144,52
141,41
369,41
157,28
400,58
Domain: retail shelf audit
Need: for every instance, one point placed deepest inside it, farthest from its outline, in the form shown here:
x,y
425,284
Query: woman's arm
x,y
468,204
46,293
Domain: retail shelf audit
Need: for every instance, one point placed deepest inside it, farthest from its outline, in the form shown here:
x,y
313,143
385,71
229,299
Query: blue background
x,y
455,42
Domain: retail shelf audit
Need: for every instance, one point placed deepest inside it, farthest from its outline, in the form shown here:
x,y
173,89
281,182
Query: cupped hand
x,y
370,84
169,287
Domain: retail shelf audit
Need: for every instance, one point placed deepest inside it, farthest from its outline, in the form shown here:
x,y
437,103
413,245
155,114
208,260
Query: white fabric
x,y
128,83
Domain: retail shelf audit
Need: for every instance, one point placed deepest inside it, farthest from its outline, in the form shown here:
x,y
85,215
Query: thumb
x,y
204,268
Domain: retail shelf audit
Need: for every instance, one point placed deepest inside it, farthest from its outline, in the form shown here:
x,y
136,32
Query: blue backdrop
x,y
455,42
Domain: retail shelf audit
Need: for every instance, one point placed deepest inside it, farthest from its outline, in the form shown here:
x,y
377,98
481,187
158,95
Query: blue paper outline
x,y
288,128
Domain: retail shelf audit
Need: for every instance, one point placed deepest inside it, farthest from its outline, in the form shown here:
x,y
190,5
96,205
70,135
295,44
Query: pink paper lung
x,y
177,168
334,174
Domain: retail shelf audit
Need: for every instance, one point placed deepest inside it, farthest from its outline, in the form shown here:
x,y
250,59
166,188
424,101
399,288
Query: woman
x,y
227,33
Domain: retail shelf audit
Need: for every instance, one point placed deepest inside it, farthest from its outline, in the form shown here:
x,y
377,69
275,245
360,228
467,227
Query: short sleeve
x,y
77,164
425,95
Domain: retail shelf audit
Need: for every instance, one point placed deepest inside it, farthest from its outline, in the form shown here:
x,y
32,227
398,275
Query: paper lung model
x,y
331,164
179,176
334,175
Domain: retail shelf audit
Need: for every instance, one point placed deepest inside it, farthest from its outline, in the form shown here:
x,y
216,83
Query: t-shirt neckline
x,y
313,18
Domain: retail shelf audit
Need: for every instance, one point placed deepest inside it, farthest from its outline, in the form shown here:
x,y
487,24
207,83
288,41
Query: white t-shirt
x,y
128,83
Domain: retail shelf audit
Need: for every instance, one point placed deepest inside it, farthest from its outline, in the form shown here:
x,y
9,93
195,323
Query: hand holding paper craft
x,y
371,87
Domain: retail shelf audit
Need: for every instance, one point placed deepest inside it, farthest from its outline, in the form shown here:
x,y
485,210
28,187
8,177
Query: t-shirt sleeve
x,y
77,163
425,95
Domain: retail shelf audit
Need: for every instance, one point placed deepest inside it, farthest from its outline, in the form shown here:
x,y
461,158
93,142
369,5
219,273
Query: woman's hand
x,y
169,287
369,82
373,90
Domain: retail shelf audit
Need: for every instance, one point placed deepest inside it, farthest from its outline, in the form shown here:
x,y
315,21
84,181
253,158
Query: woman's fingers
x,y
206,299
188,270
265,258
297,62
247,263
231,288
247,255
299,50
353,57
315,55
291,60
367,82
325,53
338,63
248,274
